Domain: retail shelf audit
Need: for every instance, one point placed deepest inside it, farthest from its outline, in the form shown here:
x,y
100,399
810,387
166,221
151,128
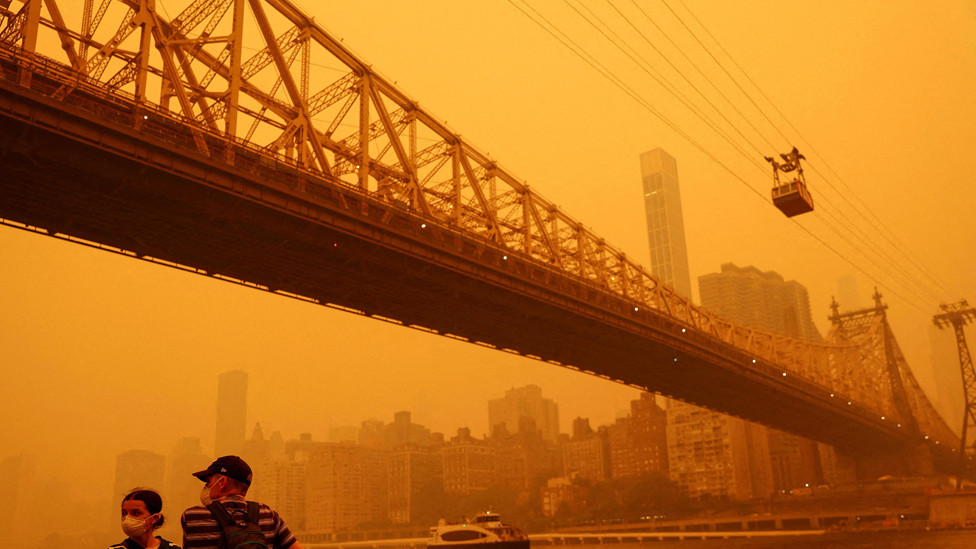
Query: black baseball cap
x,y
228,466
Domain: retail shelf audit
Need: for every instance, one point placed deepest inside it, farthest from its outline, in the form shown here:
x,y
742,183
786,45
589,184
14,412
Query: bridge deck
x,y
121,175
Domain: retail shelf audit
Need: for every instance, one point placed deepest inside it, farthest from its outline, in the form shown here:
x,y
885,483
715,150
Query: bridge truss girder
x,y
307,104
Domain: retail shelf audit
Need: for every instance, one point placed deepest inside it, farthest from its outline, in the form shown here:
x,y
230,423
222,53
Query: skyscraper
x,y
182,488
521,403
231,413
665,223
764,300
708,453
17,476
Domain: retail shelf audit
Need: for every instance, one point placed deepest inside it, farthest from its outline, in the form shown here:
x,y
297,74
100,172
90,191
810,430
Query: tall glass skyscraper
x,y
231,413
665,224
708,452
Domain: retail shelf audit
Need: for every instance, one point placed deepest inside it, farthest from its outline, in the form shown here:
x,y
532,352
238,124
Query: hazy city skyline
x,y
107,354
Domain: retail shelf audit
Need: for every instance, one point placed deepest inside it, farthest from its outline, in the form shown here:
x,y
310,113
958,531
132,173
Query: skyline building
x,y
404,431
18,476
521,403
665,222
557,493
587,454
639,442
231,413
717,455
511,466
415,471
761,300
283,485
300,449
523,457
257,449
707,452
346,485
469,464
182,488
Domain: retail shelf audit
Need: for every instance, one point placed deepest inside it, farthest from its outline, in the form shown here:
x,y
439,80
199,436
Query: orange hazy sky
x,y
101,354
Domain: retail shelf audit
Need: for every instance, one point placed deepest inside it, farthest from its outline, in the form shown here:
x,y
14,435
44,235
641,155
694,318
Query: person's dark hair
x,y
154,503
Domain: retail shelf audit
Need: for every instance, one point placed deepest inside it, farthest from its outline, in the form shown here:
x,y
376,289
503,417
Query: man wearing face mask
x,y
225,483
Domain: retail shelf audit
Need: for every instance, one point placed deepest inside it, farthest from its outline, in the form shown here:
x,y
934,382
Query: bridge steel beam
x,y
131,179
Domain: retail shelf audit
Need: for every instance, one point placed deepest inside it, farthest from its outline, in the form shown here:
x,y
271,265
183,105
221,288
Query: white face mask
x,y
205,498
134,526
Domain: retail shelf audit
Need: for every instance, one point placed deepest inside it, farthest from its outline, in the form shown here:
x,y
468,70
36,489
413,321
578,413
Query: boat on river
x,y
485,531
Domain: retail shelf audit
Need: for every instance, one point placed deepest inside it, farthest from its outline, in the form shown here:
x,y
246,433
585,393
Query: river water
x,y
892,539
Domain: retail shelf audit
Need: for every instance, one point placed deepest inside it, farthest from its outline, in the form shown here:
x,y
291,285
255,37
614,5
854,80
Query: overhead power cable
x,y
646,67
888,264
866,249
581,52
577,50
643,36
833,211
874,222
567,42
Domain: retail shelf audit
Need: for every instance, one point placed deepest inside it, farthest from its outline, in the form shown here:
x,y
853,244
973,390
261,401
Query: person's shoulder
x,y
264,506
196,513
266,510
167,544
124,544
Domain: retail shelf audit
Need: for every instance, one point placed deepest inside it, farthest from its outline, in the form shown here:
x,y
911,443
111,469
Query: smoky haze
x,y
103,354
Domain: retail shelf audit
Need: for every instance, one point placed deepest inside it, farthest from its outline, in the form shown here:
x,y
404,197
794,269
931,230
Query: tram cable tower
x,y
958,315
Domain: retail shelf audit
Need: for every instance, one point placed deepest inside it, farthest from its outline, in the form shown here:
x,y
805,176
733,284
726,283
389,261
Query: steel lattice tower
x,y
958,315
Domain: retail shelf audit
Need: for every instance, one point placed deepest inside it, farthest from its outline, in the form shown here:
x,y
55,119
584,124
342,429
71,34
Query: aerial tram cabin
x,y
792,198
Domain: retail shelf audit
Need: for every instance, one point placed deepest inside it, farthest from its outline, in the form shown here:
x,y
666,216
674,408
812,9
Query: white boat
x,y
486,531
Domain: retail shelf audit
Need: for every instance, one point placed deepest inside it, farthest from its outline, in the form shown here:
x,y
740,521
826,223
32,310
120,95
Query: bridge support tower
x,y
909,461
958,315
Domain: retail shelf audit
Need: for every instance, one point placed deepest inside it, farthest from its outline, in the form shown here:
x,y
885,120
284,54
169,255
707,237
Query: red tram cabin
x,y
792,197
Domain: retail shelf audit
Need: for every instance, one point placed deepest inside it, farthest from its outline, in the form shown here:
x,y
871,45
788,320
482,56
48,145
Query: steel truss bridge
x,y
239,140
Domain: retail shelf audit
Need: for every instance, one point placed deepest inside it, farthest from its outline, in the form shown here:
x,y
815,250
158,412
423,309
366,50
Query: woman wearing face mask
x,y
141,516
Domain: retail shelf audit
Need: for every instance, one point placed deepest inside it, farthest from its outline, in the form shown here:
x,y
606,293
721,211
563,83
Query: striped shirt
x,y
201,531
